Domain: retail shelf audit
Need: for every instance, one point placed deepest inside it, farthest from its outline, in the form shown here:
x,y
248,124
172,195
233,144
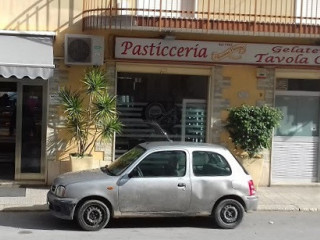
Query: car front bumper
x,y
61,207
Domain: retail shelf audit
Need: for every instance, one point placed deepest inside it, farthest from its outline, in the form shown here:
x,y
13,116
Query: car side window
x,y
209,164
162,164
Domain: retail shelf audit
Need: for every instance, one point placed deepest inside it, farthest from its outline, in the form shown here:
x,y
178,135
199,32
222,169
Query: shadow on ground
x,y
45,221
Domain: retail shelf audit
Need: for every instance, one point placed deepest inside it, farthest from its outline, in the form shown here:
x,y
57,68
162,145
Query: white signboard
x,y
217,52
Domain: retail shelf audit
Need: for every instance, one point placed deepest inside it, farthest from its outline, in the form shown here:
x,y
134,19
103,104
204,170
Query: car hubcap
x,y
93,215
229,214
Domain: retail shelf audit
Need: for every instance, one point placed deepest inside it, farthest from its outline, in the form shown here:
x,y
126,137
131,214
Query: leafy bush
x,y
250,127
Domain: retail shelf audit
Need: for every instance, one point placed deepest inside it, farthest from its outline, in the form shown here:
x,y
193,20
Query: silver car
x,y
157,179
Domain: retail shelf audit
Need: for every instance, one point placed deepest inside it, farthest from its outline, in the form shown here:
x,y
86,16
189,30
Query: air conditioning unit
x,y
83,50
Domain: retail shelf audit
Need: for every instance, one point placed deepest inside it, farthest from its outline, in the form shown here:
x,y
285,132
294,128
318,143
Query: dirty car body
x,y
157,179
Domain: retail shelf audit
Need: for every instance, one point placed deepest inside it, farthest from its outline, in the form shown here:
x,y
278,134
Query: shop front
x,y
161,107
26,63
177,90
296,141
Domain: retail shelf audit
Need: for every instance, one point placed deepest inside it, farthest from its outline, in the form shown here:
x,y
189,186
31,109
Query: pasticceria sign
x,y
217,52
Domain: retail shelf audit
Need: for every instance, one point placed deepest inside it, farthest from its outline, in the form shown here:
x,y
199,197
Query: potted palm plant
x,y
90,116
250,129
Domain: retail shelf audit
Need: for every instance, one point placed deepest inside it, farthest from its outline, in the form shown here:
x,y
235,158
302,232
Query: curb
x,y
288,208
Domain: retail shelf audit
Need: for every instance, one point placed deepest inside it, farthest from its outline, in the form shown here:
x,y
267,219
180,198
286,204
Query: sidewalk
x,y
289,198
276,198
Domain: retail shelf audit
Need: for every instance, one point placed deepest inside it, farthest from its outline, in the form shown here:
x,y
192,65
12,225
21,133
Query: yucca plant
x,y
90,112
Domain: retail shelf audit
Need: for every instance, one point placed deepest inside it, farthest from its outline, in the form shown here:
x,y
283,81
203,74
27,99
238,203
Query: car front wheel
x,y
93,215
228,213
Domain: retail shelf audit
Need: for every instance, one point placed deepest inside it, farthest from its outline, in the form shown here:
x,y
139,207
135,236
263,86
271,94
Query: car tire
x,y
93,215
228,213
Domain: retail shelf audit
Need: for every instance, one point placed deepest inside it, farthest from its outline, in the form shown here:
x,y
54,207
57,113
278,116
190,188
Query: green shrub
x,y
250,127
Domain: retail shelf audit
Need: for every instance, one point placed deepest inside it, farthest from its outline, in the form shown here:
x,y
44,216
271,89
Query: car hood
x,y
75,177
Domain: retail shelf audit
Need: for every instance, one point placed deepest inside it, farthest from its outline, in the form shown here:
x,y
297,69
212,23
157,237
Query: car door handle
x,y
182,185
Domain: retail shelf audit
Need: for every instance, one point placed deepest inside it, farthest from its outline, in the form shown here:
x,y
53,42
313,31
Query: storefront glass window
x,y
31,129
299,101
164,107
309,85
301,116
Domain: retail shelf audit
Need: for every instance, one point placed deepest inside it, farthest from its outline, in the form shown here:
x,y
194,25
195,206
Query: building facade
x,y
176,67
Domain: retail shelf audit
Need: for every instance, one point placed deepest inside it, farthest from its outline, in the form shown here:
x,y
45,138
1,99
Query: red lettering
x,y
260,56
289,60
163,51
151,49
159,49
171,51
145,51
317,60
286,50
136,50
188,50
276,49
202,53
127,45
180,52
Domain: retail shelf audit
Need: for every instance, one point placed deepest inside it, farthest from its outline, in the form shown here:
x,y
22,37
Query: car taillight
x,y
252,190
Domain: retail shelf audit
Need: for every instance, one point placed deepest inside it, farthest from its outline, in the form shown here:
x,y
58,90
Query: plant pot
x,y
82,163
254,167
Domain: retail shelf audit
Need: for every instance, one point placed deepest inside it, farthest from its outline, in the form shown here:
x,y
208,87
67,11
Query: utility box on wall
x,y
83,50
261,73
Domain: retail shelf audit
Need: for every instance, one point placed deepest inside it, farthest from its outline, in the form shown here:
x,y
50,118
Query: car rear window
x,y
207,163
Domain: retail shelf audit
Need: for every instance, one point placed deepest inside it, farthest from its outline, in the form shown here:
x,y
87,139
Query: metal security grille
x,y
295,162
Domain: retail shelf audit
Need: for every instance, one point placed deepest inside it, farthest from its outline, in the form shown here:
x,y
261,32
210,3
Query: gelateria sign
x,y
216,52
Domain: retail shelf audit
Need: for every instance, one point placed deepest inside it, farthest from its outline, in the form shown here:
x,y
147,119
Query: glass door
x,y
30,161
8,97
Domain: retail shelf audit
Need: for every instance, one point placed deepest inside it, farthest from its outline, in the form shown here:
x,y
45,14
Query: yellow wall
x,y
40,15
243,90
59,16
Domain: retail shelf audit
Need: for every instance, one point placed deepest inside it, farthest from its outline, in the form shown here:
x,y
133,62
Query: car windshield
x,y
125,160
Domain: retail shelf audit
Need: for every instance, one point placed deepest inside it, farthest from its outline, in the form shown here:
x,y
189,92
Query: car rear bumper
x,y
61,207
251,203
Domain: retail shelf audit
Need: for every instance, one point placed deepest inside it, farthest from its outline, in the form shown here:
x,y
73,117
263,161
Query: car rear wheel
x,y
228,213
93,215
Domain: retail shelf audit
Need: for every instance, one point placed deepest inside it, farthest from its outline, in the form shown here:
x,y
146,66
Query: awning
x,y
26,55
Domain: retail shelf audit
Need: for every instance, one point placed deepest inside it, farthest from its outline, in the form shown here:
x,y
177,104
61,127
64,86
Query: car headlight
x,y
60,191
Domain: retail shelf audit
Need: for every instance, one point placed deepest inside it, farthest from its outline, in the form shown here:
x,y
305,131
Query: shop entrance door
x,y
31,125
296,141
22,130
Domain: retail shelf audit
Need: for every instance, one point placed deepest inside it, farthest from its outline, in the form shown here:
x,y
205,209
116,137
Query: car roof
x,y
189,145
